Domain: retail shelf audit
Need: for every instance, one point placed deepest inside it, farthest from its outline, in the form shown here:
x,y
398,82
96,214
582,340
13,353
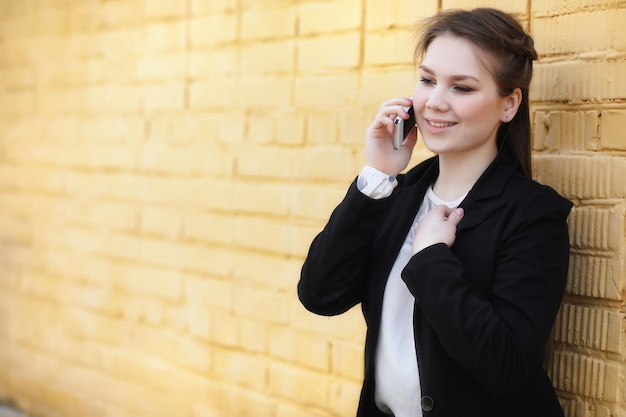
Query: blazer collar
x,y
483,198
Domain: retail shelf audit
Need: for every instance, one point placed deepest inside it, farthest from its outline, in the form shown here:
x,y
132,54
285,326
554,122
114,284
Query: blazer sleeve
x,y
499,338
337,265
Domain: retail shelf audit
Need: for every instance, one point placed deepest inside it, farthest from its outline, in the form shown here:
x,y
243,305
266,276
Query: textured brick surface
x,y
165,165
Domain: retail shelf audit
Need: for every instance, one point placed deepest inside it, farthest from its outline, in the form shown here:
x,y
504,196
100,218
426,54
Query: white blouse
x,y
397,376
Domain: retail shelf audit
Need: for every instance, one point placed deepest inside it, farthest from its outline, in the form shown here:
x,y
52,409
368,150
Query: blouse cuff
x,y
376,184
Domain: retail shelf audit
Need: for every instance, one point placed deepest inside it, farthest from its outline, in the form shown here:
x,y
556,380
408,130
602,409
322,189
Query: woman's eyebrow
x,y
460,77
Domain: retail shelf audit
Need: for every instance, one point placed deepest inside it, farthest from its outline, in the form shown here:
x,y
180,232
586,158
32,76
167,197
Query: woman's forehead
x,y
456,56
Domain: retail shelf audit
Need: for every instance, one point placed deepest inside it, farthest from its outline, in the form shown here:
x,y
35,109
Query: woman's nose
x,y
437,100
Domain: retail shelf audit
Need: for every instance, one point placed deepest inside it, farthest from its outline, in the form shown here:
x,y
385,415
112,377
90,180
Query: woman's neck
x,y
459,172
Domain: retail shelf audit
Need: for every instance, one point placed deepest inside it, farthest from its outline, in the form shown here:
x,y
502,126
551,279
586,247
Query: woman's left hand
x,y
438,226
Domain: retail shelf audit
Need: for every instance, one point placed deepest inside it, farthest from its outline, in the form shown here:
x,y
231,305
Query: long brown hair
x,y
501,36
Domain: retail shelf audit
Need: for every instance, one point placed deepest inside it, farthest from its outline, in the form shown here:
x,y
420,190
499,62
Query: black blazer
x,y
483,308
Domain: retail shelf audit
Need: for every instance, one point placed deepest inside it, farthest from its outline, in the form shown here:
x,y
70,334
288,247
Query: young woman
x,y
460,264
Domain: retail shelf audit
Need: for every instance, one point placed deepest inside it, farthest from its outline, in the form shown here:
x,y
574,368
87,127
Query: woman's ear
x,y
512,103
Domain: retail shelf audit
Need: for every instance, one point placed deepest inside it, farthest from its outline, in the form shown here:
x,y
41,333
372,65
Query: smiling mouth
x,y
440,124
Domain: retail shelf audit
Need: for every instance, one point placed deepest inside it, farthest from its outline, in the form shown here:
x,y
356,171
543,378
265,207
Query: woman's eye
x,y
463,89
426,81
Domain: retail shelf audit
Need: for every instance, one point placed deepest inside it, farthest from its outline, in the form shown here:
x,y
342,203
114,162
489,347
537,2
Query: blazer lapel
x,y
396,225
403,211
482,200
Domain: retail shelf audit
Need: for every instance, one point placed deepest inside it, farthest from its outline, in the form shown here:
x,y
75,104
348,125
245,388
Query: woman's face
x,y
457,105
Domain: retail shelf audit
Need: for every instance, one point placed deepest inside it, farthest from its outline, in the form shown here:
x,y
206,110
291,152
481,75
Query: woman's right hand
x,y
379,150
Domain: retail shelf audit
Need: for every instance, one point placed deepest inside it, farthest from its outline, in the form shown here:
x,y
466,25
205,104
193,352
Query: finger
x,y
382,122
401,112
391,115
411,140
396,107
447,210
400,101
439,212
456,215
385,123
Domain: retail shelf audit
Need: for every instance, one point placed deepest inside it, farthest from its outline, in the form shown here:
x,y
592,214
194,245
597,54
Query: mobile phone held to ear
x,y
403,127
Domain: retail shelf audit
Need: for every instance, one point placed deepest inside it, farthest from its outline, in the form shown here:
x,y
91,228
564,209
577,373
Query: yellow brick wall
x,y
165,164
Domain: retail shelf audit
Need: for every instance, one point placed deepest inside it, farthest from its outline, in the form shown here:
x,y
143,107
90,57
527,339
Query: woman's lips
x,y
439,124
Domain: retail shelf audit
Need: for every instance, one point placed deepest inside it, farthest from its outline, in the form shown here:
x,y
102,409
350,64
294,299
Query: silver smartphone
x,y
403,127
